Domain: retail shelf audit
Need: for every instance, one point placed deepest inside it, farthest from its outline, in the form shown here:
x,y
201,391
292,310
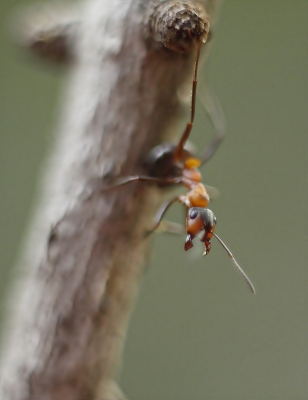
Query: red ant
x,y
169,164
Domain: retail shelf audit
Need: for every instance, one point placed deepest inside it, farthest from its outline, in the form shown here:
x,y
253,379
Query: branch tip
x,y
176,25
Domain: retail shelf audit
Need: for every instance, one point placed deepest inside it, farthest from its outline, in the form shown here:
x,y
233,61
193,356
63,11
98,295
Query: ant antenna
x,y
248,281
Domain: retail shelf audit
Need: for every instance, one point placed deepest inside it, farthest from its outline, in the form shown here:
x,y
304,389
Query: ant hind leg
x,y
179,149
214,111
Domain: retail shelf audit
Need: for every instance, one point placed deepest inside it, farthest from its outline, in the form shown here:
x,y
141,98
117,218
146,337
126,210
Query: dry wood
x,y
86,251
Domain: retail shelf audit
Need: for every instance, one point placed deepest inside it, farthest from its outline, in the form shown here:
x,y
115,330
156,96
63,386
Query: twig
x,y
86,253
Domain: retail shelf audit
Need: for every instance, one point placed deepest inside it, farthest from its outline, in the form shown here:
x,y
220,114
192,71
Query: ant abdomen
x,y
160,162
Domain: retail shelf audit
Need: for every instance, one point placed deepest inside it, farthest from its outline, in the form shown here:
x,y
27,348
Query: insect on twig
x,y
169,164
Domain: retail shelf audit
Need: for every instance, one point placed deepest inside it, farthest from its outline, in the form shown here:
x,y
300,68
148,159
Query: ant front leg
x,y
161,212
170,227
216,115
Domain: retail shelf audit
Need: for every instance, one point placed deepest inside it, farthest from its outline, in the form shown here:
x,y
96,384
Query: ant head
x,y
200,220
203,220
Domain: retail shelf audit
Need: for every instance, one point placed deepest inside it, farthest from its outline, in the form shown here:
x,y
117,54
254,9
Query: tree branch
x,y
86,252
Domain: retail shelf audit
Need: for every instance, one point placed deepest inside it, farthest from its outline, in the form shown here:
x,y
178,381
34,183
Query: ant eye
x,y
193,214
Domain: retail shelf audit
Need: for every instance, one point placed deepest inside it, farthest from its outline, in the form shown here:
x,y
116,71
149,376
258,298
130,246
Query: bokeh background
x,y
197,333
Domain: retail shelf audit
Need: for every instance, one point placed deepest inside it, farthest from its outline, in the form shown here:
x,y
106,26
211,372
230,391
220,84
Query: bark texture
x,y
86,251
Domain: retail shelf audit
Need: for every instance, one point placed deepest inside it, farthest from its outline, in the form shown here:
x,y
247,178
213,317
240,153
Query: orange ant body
x,y
169,164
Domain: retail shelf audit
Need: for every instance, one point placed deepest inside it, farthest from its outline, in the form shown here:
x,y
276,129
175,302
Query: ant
x,y
169,164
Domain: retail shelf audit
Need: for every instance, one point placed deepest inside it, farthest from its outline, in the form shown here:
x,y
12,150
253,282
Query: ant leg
x,y
167,226
215,113
185,136
135,178
213,192
170,227
161,212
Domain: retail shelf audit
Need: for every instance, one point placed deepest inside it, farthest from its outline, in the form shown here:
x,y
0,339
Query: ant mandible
x,y
169,164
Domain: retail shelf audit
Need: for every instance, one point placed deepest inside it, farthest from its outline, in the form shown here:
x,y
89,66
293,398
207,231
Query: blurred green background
x,y
197,333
